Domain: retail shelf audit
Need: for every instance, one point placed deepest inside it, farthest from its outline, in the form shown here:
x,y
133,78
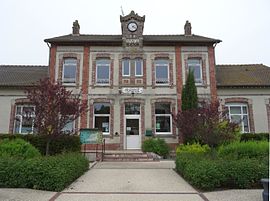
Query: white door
x,y
132,132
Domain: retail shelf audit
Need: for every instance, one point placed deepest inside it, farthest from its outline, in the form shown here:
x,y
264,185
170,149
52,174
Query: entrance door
x,y
133,137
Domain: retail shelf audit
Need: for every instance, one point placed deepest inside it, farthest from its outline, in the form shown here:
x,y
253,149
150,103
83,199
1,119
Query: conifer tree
x,y
189,93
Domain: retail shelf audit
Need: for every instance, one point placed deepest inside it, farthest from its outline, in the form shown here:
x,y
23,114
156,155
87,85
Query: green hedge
x,y
248,149
17,148
236,165
63,143
156,145
208,174
254,136
52,173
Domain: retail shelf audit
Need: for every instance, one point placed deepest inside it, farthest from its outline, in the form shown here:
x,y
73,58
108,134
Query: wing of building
x,y
133,82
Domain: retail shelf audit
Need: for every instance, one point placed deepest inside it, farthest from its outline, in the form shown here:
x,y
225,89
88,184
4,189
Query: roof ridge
x,y
240,64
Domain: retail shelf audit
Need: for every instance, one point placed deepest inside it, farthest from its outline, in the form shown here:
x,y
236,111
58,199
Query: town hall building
x,y
132,83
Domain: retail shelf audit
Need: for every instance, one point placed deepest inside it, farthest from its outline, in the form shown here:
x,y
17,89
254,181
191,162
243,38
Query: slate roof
x,y
21,75
147,39
245,75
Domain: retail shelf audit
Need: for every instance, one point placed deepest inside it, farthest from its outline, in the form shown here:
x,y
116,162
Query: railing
x,y
102,150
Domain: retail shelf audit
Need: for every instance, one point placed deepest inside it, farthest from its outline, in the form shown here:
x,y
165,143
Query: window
x,y
163,118
126,67
69,70
69,128
162,72
132,108
138,67
102,117
195,65
24,119
238,113
103,71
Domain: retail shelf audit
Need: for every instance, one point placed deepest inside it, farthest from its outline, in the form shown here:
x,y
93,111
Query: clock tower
x,y
132,29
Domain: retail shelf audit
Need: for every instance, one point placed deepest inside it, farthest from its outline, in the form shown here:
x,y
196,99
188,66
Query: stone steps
x,y
130,157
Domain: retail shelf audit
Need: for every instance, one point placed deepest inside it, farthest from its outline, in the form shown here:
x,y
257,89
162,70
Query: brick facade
x,y
85,84
52,62
212,72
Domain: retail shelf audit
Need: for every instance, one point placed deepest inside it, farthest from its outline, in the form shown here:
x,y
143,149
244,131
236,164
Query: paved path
x,y
130,181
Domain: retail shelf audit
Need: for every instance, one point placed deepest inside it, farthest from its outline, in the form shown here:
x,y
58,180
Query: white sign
x,y
132,90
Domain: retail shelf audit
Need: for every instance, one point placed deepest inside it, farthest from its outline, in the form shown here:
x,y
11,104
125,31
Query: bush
x,y
195,148
53,173
63,143
254,136
17,148
209,173
249,149
156,145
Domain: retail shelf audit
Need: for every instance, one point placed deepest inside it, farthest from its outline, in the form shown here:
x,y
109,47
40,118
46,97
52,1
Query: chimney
x,y
76,28
187,28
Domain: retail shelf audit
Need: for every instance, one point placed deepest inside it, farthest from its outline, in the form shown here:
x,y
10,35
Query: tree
x,y
189,93
206,125
55,107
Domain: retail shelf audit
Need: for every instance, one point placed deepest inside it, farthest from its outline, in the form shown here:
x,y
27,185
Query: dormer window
x,y
69,70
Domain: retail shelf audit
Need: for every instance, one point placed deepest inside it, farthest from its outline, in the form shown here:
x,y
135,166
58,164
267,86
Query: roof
x,y
117,39
244,75
21,75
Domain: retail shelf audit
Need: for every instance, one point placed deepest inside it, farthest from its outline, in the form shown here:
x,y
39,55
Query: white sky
x,y
242,25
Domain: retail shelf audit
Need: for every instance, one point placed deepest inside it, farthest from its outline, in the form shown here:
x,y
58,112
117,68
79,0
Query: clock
x,y
132,26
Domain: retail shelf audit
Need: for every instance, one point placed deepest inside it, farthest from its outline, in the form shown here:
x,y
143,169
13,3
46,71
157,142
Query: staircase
x,y
129,156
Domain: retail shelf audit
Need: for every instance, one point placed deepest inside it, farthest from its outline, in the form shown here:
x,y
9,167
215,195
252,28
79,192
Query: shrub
x,y
17,148
63,143
254,136
156,145
249,149
211,173
52,173
193,148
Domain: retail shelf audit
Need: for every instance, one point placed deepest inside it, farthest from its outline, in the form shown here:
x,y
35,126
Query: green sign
x,y
90,136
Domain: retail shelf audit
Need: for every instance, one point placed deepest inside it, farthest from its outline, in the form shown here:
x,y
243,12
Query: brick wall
x,y
52,62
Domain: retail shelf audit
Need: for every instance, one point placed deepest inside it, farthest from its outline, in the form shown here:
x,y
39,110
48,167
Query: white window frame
x,y
200,64
241,105
21,118
73,127
66,80
107,65
102,115
163,115
123,67
156,65
141,61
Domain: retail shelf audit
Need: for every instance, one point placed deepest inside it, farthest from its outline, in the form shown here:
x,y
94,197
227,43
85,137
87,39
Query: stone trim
x,y
91,115
122,117
250,109
64,56
172,102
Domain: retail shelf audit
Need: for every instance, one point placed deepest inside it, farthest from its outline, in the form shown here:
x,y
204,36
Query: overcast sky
x,y
242,25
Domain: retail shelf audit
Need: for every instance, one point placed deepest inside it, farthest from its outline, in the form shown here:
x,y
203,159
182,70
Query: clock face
x,y
132,26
